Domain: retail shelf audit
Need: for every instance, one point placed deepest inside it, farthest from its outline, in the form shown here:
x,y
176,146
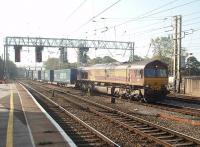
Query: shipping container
x,y
37,75
42,75
49,75
29,74
68,76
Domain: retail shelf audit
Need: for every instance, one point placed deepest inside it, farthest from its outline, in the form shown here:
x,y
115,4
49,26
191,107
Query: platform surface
x,y
23,123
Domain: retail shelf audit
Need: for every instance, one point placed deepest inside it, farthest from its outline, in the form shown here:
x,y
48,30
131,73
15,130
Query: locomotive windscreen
x,y
155,72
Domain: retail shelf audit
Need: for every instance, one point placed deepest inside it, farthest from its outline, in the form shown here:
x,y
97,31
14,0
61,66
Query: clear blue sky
x,y
52,18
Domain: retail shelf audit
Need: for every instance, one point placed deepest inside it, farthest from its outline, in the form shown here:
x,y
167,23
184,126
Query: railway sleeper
x,y
93,140
173,140
131,123
165,137
88,136
92,144
157,133
138,126
184,144
84,133
128,119
148,128
151,130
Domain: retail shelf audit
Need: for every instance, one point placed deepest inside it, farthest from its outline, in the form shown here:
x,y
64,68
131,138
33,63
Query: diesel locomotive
x,y
146,80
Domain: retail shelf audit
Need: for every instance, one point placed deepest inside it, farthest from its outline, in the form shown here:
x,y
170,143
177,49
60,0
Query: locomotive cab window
x,y
155,72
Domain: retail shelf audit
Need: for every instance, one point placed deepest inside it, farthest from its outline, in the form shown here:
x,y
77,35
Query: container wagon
x,y
65,76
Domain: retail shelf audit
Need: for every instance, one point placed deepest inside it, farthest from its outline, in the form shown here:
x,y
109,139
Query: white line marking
x,y
62,132
29,129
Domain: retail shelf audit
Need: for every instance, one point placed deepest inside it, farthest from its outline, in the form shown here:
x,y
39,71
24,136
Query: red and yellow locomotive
x,y
145,80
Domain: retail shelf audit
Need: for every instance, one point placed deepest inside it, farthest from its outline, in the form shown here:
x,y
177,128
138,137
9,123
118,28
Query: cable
x,y
92,18
142,17
152,30
172,8
75,10
164,5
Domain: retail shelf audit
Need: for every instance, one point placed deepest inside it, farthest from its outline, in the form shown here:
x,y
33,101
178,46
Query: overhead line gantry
x,y
61,43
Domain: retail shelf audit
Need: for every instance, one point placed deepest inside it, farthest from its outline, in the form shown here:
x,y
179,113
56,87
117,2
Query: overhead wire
x,y
98,14
75,10
147,14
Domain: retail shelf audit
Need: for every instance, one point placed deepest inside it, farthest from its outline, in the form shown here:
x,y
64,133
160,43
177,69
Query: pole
x,y
132,53
179,53
6,63
175,53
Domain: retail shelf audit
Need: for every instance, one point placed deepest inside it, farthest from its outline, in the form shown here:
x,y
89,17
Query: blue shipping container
x,y
68,76
37,75
49,75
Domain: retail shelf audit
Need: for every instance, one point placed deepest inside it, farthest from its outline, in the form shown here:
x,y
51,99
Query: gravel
x,y
146,112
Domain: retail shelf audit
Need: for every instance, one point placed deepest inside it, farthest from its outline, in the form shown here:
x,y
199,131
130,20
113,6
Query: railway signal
x,y
17,52
38,53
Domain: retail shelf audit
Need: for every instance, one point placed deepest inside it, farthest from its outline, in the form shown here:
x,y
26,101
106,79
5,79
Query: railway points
x,y
23,123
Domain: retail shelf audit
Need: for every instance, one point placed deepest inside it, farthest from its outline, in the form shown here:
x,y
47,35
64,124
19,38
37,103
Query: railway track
x,y
179,109
80,132
163,105
159,134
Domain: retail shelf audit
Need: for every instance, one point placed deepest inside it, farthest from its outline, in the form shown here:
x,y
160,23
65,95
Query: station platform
x,y
23,123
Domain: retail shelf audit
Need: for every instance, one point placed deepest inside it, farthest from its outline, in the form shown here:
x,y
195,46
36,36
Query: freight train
x,y
145,81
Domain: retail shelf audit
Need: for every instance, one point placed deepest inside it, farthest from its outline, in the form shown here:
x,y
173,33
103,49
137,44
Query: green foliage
x,y
162,47
1,68
192,67
54,63
136,58
12,70
100,60
163,50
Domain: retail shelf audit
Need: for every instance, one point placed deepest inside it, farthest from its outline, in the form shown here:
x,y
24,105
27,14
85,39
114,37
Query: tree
x,y
192,67
163,50
99,60
12,69
54,63
136,58
1,68
162,47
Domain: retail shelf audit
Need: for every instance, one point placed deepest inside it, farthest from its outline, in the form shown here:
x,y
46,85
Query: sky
x,y
138,21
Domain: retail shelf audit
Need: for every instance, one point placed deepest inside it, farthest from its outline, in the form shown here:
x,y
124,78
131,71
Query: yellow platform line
x,y
9,140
